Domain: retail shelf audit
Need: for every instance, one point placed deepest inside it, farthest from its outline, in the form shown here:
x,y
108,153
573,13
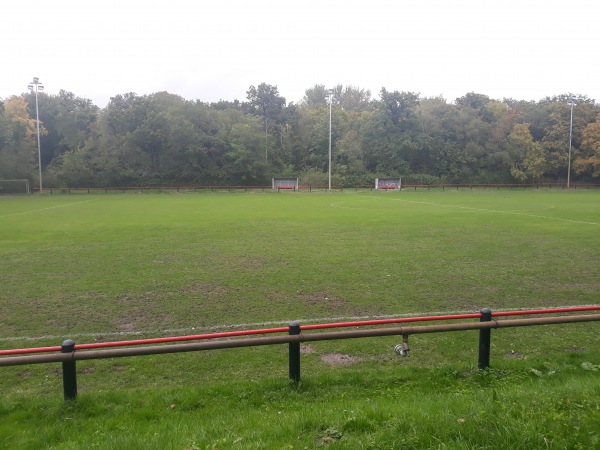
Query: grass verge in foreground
x,y
551,405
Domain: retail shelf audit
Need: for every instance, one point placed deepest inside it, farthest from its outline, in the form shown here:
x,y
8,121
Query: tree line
x,y
163,139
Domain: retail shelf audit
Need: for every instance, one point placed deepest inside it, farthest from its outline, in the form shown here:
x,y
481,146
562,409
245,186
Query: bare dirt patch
x,y
206,289
127,323
320,298
339,359
118,368
250,263
306,349
138,321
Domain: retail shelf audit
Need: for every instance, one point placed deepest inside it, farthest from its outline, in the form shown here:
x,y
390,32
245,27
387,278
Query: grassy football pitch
x,y
115,266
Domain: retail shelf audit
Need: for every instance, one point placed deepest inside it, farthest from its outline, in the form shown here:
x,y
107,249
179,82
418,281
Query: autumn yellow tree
x,y
591,144
18,143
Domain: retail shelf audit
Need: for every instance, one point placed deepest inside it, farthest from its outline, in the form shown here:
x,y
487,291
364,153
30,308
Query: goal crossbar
x,y
15,186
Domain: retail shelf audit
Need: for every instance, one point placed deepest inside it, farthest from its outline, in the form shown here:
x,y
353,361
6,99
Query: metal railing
x,y
69,352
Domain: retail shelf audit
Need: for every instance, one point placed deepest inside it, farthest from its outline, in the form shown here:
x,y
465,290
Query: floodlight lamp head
x,y
36,80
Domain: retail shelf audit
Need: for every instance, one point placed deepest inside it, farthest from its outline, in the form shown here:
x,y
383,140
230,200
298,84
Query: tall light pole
x,y
34,87
330,95
572,104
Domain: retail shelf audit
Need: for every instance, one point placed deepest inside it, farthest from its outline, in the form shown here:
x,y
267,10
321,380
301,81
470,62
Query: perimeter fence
x,y
309,188
69,352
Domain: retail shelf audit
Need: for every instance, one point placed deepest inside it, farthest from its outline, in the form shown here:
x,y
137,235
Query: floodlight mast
x,y
571,103
330,95
34,87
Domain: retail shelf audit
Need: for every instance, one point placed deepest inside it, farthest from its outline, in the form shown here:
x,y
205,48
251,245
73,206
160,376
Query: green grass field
x,y
103,267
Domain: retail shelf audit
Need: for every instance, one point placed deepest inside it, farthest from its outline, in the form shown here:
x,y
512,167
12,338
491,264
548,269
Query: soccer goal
x,y
388,183
285,183
14,187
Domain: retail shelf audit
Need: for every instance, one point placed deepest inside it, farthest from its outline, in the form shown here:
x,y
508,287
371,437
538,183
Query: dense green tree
x,y
67,119
315,96
389,134
354,99
265,101
246,164
398,108
313,137
478,103
529,161
164,139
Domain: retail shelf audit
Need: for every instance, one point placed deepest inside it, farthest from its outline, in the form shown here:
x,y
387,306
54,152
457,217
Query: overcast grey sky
x,y
215,49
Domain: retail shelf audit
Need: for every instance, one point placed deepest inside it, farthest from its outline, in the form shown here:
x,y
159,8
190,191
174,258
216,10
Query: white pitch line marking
x,y
470,208
44,209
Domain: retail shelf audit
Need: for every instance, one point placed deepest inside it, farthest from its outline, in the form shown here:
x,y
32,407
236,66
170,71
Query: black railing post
x,y
484,340
69,371
294,353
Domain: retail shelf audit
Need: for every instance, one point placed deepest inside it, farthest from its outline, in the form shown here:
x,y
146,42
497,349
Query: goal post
x,y
388,183
15,187
285,183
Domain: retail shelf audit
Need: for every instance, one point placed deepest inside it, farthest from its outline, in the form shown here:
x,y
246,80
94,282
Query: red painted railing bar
x,y
22,351
545,311
310,337
229,334
192,337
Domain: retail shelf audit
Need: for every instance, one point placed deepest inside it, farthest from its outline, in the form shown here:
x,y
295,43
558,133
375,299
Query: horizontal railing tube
x,y
314,327
273,340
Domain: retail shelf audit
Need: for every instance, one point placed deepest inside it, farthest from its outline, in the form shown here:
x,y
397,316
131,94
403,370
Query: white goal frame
x,y
388,183
26,186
